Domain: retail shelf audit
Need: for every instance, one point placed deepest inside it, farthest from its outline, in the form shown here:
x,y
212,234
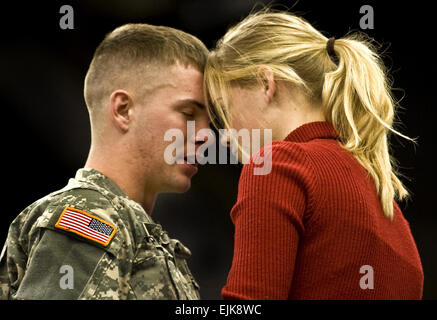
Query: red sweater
x,y
305,230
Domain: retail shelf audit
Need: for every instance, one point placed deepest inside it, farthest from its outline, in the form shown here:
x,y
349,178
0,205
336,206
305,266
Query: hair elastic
x,y
330,49
330,46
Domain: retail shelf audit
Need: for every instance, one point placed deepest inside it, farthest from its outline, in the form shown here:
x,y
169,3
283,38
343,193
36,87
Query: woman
x,y
324,223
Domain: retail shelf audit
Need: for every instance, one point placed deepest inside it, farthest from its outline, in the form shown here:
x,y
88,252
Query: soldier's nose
x,y
225,140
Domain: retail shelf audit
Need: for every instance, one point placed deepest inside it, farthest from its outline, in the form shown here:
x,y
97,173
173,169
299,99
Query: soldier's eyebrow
x,y
193,102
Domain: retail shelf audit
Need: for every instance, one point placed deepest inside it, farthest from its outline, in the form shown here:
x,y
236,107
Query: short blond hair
x,y
355,94
125,52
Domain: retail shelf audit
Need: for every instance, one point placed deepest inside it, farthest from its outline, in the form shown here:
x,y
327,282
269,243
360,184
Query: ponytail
x,y
357,100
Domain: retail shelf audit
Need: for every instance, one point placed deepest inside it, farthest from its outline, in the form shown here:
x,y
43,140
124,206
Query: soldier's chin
x,y
183,184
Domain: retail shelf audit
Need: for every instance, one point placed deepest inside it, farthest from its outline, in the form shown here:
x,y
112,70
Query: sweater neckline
x,y
312,130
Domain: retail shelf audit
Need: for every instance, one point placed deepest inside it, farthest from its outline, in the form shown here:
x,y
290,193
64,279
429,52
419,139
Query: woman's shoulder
x,y
277,157
317,151
285,160
280,152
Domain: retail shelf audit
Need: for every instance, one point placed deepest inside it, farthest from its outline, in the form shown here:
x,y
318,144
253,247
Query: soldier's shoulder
x,y
82,213
84,199
41,211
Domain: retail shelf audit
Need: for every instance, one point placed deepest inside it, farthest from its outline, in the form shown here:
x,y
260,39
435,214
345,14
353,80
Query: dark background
x,y
45,126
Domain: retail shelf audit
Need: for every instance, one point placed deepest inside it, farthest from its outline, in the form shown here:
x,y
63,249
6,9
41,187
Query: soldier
x,y
95,238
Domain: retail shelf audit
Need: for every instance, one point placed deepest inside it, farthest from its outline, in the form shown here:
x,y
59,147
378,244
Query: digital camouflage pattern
x,y
140,262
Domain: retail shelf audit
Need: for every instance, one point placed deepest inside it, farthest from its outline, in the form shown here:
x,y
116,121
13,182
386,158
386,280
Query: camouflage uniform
x,y
139,262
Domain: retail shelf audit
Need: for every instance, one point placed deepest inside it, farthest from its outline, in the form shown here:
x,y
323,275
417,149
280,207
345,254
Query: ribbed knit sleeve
x,y
268,218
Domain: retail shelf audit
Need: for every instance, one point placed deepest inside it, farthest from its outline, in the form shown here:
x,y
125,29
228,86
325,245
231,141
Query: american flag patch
x,y
86,225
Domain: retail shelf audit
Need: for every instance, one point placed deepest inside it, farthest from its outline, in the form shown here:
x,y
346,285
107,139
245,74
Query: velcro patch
x,y
86,225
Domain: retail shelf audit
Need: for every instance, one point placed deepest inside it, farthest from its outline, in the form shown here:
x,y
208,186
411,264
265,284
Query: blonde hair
x,y
355,94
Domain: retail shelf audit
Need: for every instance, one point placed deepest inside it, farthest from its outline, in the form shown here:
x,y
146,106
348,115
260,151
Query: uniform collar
x,y
312,130
99,179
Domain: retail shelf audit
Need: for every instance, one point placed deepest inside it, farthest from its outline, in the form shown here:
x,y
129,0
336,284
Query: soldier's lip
x,y
189,168
191,162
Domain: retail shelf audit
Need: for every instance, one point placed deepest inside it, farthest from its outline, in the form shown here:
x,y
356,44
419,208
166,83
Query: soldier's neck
x,y
125,177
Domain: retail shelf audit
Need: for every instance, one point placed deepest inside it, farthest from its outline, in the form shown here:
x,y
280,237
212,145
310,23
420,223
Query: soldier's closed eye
x,y
188,113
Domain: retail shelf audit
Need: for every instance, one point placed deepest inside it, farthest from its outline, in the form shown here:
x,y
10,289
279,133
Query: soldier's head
x,y
144,80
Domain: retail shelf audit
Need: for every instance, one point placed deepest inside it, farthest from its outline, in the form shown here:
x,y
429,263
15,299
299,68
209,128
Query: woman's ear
x,y
120,107
267,78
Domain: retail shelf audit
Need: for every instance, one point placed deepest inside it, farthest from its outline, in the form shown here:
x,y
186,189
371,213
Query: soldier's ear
x,y
120,103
